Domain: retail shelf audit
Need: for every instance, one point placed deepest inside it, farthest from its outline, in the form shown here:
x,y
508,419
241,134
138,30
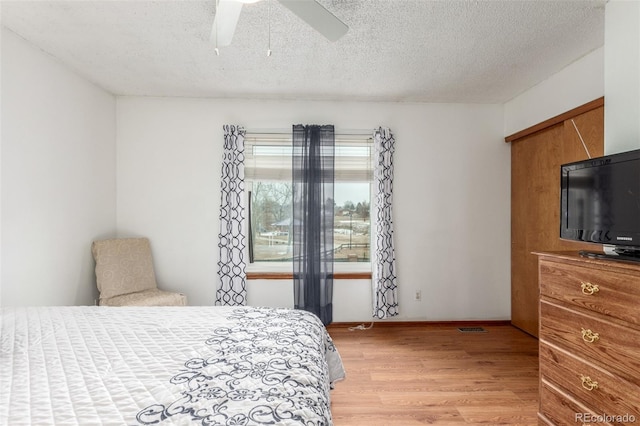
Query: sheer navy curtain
x,y
313,204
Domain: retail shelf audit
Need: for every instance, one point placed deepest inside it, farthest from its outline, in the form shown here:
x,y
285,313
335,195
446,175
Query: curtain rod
x,y
287,132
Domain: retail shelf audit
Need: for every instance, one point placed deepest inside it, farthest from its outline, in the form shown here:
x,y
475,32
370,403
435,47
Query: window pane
x,y
271,212
352,224
270,215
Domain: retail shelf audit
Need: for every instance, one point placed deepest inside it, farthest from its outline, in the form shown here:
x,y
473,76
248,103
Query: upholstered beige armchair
x,y
125,275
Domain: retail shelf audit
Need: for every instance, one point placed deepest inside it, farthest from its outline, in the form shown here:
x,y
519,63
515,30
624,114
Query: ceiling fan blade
x,y
224,24
319,18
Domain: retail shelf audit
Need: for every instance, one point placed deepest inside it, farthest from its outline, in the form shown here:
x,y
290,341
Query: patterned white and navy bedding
x,y
164,365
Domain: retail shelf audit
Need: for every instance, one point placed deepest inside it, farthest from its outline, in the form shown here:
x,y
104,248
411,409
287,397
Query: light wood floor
x,y
433,374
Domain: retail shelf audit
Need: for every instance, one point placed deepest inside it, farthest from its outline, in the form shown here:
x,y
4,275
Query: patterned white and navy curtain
x,y
312,183
232,289
383,274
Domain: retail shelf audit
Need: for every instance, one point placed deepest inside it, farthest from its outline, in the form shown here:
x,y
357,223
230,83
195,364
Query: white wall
x,y
58,177
452,174
622,76
575,85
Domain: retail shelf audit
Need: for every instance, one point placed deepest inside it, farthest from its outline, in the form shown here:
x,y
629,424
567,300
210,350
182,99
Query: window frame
x,y
284,270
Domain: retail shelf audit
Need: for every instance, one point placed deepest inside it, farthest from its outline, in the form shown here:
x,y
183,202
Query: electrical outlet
x,y
418,294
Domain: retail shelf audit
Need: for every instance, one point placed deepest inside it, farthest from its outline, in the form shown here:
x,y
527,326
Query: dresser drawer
x,y
594,386
605,291
561,409
601,341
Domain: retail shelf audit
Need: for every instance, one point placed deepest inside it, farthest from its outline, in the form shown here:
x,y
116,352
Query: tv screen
x,y
600,201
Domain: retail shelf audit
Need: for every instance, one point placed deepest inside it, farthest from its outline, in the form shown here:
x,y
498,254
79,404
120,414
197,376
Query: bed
x,y
90,365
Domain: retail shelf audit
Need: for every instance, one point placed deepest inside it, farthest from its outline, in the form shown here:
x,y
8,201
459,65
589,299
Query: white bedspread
x,y
165,365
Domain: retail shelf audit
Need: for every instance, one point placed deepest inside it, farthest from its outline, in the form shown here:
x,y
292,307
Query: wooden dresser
x,y
589,340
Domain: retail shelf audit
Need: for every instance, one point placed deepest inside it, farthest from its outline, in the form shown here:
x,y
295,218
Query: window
x,y
268,184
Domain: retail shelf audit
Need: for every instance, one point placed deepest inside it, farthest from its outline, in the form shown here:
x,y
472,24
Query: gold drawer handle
x,y
588,288
588,384
589,336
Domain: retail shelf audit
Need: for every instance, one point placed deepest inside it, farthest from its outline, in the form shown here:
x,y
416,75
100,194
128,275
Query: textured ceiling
x,y
395,50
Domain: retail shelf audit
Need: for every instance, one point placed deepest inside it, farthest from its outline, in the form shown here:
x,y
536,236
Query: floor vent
x,y
471,330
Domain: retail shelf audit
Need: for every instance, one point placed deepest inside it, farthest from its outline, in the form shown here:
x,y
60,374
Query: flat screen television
x,y
600,203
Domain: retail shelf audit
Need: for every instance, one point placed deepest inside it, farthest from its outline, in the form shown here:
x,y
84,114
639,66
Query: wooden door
x,y
535,199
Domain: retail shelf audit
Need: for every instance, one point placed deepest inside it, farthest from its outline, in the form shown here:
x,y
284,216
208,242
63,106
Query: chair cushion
x,y
147,298
123,265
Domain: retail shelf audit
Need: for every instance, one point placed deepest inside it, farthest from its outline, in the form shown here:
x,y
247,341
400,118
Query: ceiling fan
x,y
310,11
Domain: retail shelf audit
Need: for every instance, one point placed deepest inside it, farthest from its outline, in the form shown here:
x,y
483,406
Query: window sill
x,y
289,275
283,271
